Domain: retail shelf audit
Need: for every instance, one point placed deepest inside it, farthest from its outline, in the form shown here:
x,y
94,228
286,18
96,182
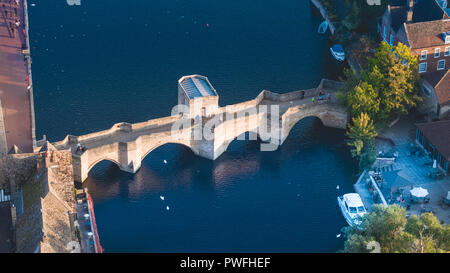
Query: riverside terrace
x,y
17,128
128,144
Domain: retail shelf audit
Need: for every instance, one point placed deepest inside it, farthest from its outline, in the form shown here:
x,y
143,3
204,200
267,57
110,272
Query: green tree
x,y
361,132
364,99
368,154
389,227
354,15
394,73
359,12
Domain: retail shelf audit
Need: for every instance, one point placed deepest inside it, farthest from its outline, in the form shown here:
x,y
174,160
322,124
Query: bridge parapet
x,y
127,144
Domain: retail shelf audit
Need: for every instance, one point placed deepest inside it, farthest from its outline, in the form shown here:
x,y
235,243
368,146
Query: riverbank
x,y
413,170
16,95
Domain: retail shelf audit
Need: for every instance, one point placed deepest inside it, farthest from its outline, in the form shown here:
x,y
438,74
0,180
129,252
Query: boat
x,y
352,208
338,52
323,27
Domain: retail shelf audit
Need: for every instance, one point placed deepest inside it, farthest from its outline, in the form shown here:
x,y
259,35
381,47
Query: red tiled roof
x,y
426,34
440,80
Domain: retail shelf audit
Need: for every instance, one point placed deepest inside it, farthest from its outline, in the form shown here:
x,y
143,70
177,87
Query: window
x,y
426,89
441,65
422,67
423,55
437,52
391,40
447,51
353,210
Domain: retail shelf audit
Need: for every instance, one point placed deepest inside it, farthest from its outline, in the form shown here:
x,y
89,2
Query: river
x,y
109,61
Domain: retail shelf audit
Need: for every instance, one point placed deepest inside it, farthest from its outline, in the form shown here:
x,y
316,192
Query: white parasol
x,y
419,192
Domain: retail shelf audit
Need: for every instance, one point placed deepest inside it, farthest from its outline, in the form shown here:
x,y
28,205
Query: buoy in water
x,y
207,25
167,208
337,187
162,197
165,161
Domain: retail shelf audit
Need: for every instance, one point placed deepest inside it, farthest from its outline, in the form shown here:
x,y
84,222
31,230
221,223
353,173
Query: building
x,y
434,137
400,12
424,26
436,94
430,41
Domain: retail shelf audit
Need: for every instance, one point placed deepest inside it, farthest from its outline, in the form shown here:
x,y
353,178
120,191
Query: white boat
x,y
323,27
352,208
338,52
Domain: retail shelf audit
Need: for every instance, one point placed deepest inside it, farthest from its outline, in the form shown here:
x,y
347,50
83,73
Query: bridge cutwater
x,y
197,112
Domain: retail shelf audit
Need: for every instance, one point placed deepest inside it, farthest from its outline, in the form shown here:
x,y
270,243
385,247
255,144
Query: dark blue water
x,y
108,61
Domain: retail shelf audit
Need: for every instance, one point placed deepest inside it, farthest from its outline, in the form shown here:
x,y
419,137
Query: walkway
x,y
14,97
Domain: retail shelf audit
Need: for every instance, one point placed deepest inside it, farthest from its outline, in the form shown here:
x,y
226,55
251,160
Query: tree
x,y
364,99
388,227
363,11
394,72
361,132
368,154
354,16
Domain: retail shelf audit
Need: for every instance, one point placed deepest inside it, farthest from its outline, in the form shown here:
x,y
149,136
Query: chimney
x,y
410,8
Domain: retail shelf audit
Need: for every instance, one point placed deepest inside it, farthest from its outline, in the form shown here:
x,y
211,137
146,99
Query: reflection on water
x,y
93,68
246,200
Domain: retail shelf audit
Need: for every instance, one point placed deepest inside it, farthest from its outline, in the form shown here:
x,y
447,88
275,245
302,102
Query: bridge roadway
x,y
127,144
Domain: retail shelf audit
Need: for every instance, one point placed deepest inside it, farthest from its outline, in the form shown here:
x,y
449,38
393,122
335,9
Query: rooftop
x,y
398,16
426,34
438,133
197,86
440,80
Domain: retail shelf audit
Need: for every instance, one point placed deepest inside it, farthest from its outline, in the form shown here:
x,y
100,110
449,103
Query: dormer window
x,y
446,37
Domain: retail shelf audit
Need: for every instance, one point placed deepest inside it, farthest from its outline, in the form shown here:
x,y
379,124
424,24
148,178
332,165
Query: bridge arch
x,y
225,144
289,126
92,165
146,151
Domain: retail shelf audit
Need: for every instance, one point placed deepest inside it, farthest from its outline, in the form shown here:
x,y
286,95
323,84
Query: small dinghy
x,y
352,209
323,27
338,52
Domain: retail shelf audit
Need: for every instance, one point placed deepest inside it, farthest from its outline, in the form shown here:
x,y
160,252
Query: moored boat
x,y
323,27
352,208
338,52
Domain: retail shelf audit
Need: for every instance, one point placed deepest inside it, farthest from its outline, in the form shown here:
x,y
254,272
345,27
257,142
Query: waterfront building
x,y
401,12
434,137
424,26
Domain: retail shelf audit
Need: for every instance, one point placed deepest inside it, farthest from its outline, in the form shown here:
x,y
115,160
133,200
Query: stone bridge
x,y
203,126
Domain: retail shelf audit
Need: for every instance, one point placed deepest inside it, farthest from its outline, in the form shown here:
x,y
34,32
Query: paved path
x,y
14,96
